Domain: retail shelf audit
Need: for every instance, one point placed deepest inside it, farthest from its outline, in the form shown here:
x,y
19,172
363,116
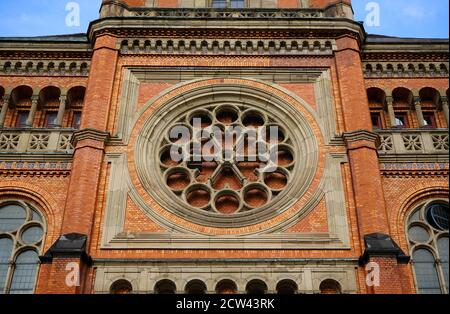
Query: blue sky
x,y
406,18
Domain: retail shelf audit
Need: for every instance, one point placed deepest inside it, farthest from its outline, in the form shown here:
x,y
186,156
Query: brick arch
x,y
45,202
410,201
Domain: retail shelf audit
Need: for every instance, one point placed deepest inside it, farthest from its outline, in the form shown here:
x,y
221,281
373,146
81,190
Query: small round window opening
x,y
437,215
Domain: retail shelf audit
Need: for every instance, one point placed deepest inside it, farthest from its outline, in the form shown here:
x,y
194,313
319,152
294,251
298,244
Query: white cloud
x,y
414,11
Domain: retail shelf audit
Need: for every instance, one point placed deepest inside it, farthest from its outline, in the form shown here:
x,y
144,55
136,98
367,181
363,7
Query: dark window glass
x,y
20,226
6,246
438,215
51,119
426,273
11,218
22,117
401,121
24,273
429,120
376,120
443,253
76,121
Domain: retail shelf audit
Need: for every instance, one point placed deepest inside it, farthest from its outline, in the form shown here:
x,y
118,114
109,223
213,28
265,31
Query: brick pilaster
x,y
361,142
89,145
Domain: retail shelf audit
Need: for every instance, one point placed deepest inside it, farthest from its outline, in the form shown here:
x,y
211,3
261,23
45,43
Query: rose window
x,y
235,159
232,157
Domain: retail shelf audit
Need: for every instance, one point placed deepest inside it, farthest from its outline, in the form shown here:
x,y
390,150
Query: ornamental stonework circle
x,y
226,159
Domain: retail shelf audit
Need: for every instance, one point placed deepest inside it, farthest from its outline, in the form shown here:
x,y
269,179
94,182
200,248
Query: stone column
x,y
419,113
444,102
32,113
61,110
391,111
4,110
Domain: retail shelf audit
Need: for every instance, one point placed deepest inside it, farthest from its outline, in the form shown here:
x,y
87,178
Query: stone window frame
x,y
19,246
432,244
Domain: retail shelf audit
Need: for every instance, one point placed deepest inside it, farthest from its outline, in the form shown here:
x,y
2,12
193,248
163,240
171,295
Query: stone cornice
x,y
63,49
149,27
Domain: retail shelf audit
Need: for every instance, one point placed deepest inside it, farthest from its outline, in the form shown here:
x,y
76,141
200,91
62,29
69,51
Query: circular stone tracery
x,y
223,168
225,190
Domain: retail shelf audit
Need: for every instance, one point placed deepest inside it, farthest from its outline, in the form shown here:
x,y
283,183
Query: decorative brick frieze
x,y
35,168
405,69
229,46
414,169
56,67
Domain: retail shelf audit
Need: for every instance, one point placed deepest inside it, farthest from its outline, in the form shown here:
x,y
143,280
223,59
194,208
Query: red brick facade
x,y
338,79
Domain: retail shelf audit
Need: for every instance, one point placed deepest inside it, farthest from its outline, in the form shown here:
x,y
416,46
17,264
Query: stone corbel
x,y
96,138
361,138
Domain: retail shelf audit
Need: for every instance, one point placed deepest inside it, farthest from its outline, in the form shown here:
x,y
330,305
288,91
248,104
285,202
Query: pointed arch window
x,y
429,243
21,236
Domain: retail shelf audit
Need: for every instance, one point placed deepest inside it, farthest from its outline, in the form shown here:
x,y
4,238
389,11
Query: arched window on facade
x,y
377,101
20,105
226,287
49,102
195,287
287,287
165,286
427,231
75,100
429,100
330,286
21,237
121,286
256,287
403,102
